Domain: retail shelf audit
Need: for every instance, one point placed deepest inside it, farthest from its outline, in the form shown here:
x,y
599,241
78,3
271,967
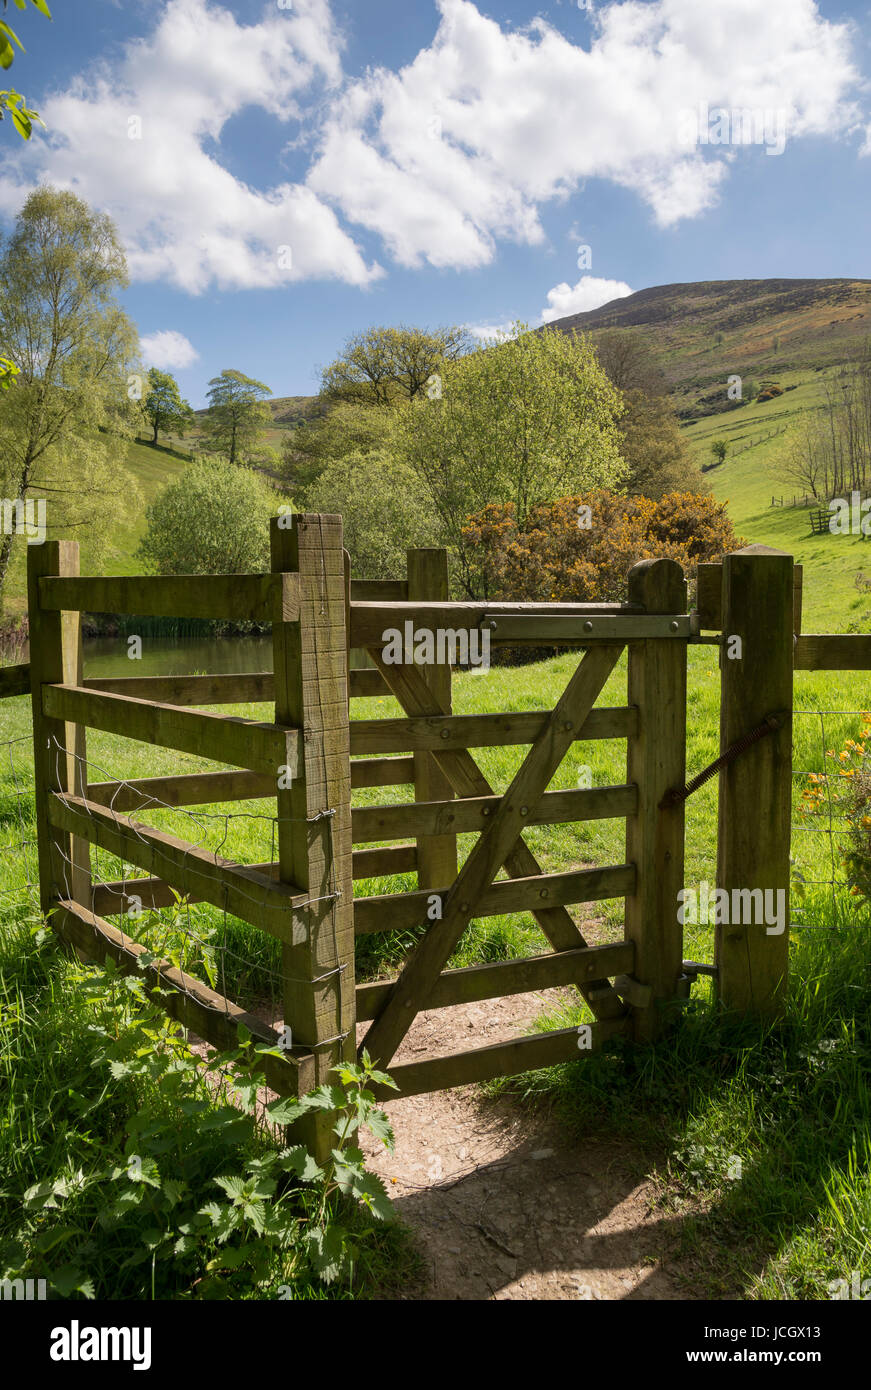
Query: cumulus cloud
x,y
589,293
459,150
168,350
141,138
463,146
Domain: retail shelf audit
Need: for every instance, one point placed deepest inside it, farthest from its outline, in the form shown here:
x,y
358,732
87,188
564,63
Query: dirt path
x,y
502,1206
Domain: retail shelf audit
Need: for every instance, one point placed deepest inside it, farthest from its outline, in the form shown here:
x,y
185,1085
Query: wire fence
x,y
827,810
240,961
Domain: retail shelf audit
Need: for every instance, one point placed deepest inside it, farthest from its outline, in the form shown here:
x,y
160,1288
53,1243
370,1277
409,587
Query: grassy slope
x,y
749,479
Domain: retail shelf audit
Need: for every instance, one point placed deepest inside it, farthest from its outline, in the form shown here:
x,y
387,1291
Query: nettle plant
x,y
202,1203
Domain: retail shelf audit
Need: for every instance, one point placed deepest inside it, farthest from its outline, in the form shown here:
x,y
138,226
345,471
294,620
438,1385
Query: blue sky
x,y
285,174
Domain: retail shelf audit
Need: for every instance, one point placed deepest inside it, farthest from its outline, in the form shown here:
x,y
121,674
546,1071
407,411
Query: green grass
x,y
792,1104
748,480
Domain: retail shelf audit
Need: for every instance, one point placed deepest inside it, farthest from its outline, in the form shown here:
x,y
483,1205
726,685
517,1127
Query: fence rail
x,y
310,756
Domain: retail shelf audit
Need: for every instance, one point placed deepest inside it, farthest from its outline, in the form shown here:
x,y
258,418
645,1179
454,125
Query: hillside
x,y
701,333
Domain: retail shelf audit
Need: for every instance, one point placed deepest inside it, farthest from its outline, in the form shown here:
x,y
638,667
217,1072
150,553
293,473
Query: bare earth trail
x,y
501,1203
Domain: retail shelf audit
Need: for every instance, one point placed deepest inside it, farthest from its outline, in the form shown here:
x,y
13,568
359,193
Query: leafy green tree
x,y
23,117
720,448
386,365
345,429
237,415
67,420
214,519
522,421
163,406
383,510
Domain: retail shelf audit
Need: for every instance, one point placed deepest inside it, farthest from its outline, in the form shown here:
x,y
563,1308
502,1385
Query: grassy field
x,y
791,1108
758,436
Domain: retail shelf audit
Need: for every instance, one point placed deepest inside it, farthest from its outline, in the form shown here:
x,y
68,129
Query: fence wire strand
x,y
230,967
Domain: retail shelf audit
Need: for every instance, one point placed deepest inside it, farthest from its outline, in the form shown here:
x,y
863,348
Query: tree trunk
x,y
5,555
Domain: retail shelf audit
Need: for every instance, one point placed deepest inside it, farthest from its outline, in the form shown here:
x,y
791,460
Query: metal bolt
x,y
543,893
588,626
675,626
445,733
524,810
568,724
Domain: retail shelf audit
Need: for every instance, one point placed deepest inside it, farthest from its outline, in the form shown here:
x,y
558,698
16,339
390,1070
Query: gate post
x,y
314,848
656,762
756,789
56,659
436,854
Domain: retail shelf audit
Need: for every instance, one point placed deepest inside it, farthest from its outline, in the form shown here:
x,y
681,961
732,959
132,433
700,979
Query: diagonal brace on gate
x,y
493,847
467,779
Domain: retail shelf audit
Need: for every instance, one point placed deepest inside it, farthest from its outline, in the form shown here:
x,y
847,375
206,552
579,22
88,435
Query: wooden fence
x,y
311,755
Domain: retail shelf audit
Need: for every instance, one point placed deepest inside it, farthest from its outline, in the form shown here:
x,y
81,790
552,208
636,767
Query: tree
x,y
344,430
67,419
522,421
23,117
237,415
628,361
720,448
651,441
163,406
384,366
383,510
214,519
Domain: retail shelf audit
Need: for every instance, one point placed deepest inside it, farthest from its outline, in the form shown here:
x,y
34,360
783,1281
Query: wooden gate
x,y
646,967
311,755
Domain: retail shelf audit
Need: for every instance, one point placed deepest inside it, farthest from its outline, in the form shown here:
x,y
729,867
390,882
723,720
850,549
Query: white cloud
x,y
589,293
459,150
463,146
168,349
483,331
185,218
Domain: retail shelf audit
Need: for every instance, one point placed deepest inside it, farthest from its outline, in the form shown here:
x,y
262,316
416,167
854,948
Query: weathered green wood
x,y
15,680
58,745
398,911
476,982
489,853
471,813
109,899
191,789
822,652
183,997
311,692
253,597
441,732
382,772
379,590
709,606
369,620
278,908
755,789
501,1059
656,762
252,744
436,853
249,688
365,683
468,781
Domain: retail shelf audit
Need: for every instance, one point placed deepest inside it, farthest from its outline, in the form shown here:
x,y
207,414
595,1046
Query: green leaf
x,y
41,6
370,1190
300,1162
326,1250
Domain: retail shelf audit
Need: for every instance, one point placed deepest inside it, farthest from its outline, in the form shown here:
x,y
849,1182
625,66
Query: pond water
x,y
166,656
